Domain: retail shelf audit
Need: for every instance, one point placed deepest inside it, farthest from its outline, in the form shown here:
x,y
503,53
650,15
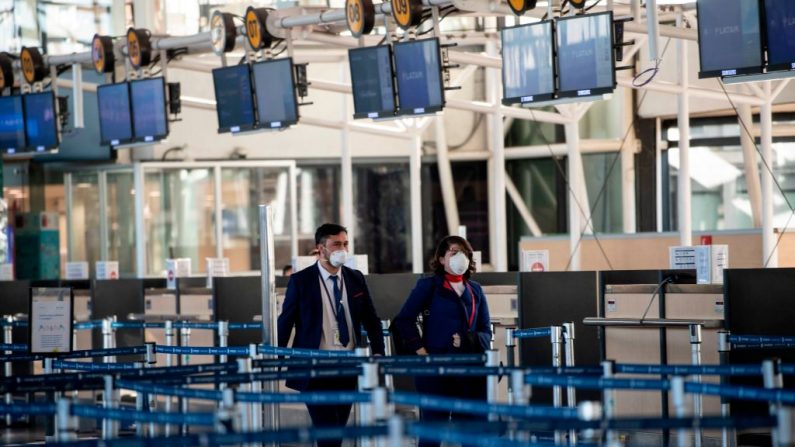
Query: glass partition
x,y
85,218
121,221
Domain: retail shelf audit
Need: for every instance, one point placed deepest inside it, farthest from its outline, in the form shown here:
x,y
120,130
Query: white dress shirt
x,y
329,318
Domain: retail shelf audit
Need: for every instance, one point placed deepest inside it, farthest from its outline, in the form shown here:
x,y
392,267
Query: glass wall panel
x,y
121,221
178,217
85,218
242,191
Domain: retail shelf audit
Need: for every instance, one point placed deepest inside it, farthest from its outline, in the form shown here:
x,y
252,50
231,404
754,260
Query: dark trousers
x,y
330,415
471,388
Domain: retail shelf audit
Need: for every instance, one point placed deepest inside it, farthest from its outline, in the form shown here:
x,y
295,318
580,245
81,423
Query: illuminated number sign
x,y
407,13
360,15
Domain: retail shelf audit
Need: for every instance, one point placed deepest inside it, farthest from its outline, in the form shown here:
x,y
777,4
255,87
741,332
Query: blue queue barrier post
x,y
8,339
492,380
150,359
389,381
695,359
772,379
571,393
246,411
786,426
728,435
223,342
66,424
590,411
510,344
168,329
256,387
396,428
184,340
680,409
609,401
520,395
107,338
368,381
556,340
109,400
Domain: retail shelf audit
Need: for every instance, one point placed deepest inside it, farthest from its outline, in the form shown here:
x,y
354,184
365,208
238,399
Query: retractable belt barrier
x,y
533,332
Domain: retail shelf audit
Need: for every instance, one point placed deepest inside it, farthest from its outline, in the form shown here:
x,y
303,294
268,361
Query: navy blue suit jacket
x,y
303,310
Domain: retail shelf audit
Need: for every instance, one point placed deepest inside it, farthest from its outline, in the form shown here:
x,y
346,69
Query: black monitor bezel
x,y
594,91
22,149
779,67
739,71
102,139
243,127
269,124
427,110
155,138
386,113
536,98
28,146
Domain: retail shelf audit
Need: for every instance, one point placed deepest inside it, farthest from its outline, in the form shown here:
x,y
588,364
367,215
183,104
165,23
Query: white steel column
x,y
219,212
629,213
498,219
769,250
140,232
751,163
684,194
293,173
69,203
415,166
102,183
446,177
576,198
346,168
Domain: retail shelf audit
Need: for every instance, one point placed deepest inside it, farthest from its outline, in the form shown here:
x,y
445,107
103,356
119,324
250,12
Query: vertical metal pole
x,y
396,432
492,380
769,250
446,176
8,338
256,387
786,423
609,402
184,405
346,168
576,178
69,204
771,375
104,234
590,411
293,211
223,339
680,408
169,333
519,395
751,163
107,339
728,438
64,423
368,381
389,381
415,177
499,257
140,230
268,268
571,392
218,210
244,367
557,361
628,209
510,345
683,191
695,359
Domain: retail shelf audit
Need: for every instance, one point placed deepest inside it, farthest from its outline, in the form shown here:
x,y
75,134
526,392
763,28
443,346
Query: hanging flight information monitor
x,y
585,55
41,125
372,81
418,70
148,101
729,38
780,27
234,99
528,68
12,124
115,122
274,85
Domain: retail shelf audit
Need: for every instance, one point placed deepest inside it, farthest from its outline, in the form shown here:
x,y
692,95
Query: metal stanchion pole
x,y
389,382
107,339
244,367
771,375
571,392
65,427
680,409
382,409
590,411
609,402
151,359
267,251
109,399
223,342
183,402
493,328
368,381
169,335
492,384
695,359
728,435
520,395
786,424
256,387
8,338
396,432
556,340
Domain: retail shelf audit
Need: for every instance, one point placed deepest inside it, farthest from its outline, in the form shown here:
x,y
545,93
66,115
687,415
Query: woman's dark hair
x,y
441,250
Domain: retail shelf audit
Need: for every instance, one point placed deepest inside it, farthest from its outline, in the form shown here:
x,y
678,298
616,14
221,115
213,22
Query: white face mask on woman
x,y
458,263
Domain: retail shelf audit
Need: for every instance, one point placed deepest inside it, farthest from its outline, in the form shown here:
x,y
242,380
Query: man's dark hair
x,y
328,229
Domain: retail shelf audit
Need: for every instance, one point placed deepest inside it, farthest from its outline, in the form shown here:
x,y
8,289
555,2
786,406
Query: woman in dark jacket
x,y
456,321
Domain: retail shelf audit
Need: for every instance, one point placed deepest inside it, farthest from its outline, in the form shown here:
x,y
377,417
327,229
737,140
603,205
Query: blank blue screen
x,y
585,53
233,98
115,126
728,35
780,16
41,128
418,73
148,109
12,124
371,78
273,82
527,68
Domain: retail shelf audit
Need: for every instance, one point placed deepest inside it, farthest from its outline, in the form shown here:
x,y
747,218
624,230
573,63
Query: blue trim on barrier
x,y
597,383
260,377
239,326
14,347
163,390
86,366
158,417
391,360
533,332
28,409
202,350
482,408
85,325
788,369
690,370
314,398
23,357
300,352
763,345
761,339
194,325
446,434
137,325
133,350
786,397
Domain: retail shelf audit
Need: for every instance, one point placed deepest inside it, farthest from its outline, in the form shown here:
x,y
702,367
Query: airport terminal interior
x,y
394,223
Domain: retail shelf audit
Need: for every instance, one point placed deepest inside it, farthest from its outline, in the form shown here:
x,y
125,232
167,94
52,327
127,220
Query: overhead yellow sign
x,y
407,13
256,28
102,54
360,16
32,65
6,71
519,7
139,48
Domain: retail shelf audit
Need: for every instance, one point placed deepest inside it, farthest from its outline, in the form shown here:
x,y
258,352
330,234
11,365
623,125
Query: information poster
x,y
50,322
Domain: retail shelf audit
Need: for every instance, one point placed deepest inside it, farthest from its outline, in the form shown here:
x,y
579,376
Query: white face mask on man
x,y
337,258
458,263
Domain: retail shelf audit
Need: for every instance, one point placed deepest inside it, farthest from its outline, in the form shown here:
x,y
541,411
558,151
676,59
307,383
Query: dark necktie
x,y
342,323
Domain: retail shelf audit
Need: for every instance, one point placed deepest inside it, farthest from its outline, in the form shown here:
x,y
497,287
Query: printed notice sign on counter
x,y
534,261
77,270
50,322
107,269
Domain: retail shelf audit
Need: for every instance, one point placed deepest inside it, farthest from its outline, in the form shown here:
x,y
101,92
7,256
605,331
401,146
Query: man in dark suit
x,y
327,304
